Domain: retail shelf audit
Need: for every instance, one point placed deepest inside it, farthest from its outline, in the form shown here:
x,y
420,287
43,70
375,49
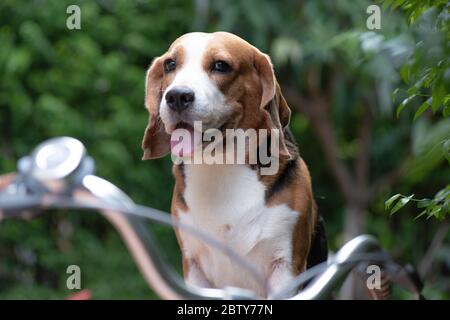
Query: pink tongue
x,y
183,140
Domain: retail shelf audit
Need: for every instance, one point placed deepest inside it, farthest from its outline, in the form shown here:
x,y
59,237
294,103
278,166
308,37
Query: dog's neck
x,y
210,178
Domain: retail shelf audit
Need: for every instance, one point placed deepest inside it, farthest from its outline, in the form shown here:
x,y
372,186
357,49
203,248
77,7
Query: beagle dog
x,y
271,220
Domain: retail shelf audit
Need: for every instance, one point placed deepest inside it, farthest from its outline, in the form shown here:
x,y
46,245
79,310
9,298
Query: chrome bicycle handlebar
x,y
60,174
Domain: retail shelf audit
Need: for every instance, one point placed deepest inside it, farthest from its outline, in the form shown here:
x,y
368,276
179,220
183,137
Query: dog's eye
x,y
220,66
169,65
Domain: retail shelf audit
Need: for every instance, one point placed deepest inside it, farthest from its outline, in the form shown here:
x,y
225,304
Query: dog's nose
x,y
180,98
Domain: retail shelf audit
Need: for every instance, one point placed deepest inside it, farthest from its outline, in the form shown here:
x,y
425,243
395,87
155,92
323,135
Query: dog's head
x,y
218,79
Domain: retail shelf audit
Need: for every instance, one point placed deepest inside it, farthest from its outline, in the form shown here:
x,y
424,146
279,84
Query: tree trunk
x,y
355,218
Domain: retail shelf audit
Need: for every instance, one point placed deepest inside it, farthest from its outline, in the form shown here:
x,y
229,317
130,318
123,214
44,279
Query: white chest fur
x,y
228,202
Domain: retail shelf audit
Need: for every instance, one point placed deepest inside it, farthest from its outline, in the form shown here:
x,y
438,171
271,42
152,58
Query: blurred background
x,y
362,115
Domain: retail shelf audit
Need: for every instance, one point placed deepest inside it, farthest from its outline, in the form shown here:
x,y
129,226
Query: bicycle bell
x,y
57,164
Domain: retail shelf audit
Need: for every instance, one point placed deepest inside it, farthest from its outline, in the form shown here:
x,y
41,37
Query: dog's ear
x,y
273,106
156,142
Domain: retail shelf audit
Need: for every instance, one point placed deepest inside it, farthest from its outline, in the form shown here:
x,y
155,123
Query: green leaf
x,y
422,109
424,212
391,200
442,194
404,73
397,3
437,96
435,212
404,104
394,94
446,111
401,203
424,203
446,103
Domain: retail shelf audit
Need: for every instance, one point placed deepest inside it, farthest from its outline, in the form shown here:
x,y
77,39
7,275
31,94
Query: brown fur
x,y
156,142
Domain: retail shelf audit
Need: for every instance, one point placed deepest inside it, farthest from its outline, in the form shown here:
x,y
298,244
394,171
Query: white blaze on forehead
x,y
210,105
192,73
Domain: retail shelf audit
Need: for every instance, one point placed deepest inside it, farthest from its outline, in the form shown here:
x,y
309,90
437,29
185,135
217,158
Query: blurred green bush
x,y
87,84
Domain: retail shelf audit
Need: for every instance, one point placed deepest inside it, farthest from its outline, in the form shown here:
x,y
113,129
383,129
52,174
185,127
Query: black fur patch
x,y
181,198
318,252
284,178
181,168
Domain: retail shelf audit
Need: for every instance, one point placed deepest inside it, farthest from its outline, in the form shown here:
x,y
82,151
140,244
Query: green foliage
x,y
438,207
88,84
427,70
427,73
415,8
